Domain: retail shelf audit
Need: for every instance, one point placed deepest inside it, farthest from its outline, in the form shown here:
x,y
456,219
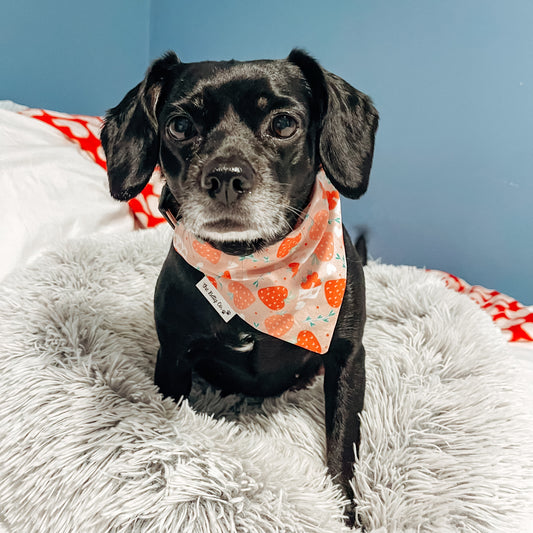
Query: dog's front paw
x,y
169,392
350,514
351,517
172,377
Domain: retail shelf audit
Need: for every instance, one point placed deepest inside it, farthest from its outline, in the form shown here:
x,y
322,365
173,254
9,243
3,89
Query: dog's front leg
x,y
173,374
175,326
344,388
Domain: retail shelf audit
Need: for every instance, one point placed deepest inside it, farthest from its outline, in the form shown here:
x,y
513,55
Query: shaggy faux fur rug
x,y
88,445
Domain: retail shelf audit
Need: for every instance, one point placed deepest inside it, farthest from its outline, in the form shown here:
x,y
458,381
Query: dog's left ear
x,y
130,136
348,126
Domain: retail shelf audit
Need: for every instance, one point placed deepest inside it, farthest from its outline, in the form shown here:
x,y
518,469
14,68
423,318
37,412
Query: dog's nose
x,y
226,182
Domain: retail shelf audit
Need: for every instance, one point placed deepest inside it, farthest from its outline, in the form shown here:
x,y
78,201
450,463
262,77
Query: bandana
x,y
291,290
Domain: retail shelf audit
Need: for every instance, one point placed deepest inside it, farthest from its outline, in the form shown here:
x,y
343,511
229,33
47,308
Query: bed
x,y
88,444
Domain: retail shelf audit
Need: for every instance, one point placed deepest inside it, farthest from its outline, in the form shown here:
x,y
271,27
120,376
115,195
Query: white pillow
x,y
50,190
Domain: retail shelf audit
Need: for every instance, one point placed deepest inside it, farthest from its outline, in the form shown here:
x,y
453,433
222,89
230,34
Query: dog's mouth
x,y
254,223
225,225
226,230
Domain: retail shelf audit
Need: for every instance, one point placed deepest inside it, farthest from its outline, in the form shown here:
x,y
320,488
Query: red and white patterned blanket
x,y
514,319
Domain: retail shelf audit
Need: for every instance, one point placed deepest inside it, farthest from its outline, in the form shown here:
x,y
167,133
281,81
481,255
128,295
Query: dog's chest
x,y
236,360
233,356
243,343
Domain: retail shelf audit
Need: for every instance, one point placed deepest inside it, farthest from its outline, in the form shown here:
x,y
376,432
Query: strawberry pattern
x,y
333,198
320,223
287,244
207,251
334,290
294,268
297,298
326,246
273,297
307,340
278,325
312,281
242,296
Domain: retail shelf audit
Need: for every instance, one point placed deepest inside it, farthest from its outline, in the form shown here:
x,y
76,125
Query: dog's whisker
x,y
298,212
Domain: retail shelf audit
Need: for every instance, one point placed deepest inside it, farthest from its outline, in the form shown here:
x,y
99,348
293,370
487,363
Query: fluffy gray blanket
x,y
88,445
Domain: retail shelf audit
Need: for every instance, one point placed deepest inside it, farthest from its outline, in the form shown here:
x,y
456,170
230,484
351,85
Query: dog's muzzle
x,y
226,181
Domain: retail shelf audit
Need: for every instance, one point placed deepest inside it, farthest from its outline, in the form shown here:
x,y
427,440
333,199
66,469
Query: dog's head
x,y
240,143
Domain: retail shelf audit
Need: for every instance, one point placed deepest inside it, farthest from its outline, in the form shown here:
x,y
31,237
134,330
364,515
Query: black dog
x,y
239,145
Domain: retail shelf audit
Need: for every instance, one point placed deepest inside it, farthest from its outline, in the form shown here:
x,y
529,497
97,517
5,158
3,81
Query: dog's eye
x,y
284,126
181,128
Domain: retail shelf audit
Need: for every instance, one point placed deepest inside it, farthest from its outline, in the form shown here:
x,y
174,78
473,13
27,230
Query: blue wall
x,y
452,184
72,56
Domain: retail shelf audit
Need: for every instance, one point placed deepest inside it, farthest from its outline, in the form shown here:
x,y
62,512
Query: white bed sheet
x,y
50,190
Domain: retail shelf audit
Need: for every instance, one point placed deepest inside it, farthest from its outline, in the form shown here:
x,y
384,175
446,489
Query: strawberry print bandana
x,y
291,290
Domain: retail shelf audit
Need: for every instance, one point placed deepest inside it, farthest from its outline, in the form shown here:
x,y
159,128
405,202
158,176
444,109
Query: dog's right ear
x,y
130,136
